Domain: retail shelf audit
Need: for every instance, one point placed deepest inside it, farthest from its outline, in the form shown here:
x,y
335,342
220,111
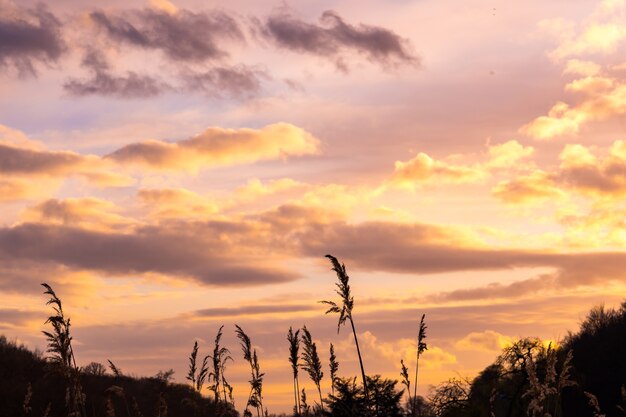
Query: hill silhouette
x,y
583,377
29,387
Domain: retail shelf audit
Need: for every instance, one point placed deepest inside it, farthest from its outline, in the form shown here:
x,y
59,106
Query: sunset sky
x,y
169,167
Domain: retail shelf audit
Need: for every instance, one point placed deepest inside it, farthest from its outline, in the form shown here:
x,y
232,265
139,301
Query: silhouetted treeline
x,y
584,377
29,387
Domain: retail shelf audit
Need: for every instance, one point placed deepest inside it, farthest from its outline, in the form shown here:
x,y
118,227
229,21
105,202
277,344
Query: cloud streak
x,y
28,36
202,255
181,36
333,37
219,147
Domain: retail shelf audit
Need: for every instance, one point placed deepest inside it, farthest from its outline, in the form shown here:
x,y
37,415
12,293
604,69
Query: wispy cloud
x,y
28,37
334,39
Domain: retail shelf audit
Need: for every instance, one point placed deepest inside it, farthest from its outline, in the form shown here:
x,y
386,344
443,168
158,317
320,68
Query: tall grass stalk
x,y
255,398
312,363
334,367
404,373
191,375
117,372
197,376
219,358
421,347
345,311
294,348
62,354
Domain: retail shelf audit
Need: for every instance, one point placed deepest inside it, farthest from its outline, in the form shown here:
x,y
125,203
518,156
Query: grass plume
x,y
344,309
219,358
404,373
421,347
312,363
294,358
62,354
334,367
255,398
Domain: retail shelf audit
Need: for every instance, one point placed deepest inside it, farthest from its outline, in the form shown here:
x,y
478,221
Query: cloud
x,y
131,85
255,188
580,67
239,81
15,160
177,203
604,97
219,147
602,32
205,253
580,171
584,172
181,35
487,341
528,189
253,310
434,358
12,189
26,160
333,36
12,317
423,170
28,36
89,213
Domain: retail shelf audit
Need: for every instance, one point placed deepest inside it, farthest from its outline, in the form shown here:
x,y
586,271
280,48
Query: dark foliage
x,y
349,400
20,368
599,361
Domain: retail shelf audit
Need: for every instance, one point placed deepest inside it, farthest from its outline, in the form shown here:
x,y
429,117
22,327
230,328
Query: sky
x,y
171,167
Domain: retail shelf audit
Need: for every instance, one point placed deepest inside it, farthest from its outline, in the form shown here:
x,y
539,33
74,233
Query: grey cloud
x,y
196,252
254,310
29,161
27,36
15,317
130,85
183,36
429,249
237,81
104,83
415,249
333,35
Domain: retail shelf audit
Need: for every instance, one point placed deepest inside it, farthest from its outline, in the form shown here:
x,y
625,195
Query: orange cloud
x,y
423,169
88,213
12,189
580,171
29,170
487,341
219,147
603,96
528,189
178,203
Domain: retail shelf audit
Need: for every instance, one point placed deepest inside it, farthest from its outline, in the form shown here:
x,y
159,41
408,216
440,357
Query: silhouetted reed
x,y
404,373
117,372
334,367
421,347
62,354
312,363
255,398
294,348
219,358
344,309
196,376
